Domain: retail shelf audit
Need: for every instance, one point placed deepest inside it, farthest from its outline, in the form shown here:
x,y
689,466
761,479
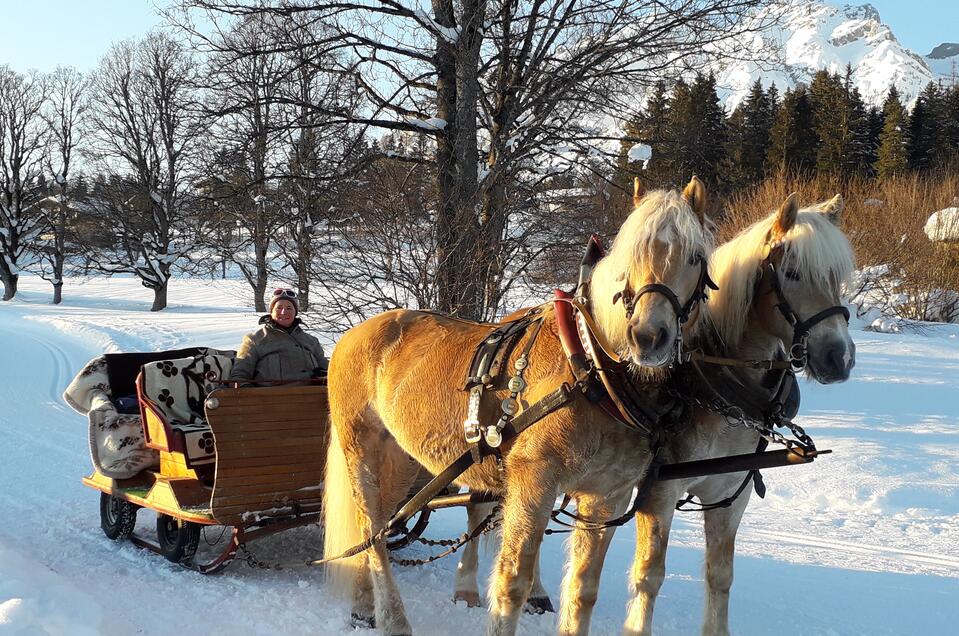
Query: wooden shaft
x,y
461,499
737,463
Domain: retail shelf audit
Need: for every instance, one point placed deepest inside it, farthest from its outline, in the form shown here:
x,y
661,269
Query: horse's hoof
x,y
538,605
472,599
362,622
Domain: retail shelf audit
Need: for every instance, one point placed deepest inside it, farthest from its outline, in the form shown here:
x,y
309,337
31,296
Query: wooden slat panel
x,y
286,477
267,499
265,472
295,489
252,436
244,513
279,443
287,460
308,407
270,443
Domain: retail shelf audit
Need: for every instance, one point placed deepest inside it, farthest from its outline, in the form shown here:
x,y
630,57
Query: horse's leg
x,y
538,601
587,551
363,609
653,521
466,588
372,468
721,526
529,498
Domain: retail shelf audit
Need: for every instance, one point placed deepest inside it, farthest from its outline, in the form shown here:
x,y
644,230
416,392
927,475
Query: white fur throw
x,y
117,448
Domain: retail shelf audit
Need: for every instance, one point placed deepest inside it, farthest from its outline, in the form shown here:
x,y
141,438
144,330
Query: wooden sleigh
x,y
253,465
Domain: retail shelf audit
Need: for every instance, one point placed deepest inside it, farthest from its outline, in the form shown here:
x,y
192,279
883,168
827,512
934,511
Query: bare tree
x,y
504,88
323,155
21,153
146,127
67,107
247,122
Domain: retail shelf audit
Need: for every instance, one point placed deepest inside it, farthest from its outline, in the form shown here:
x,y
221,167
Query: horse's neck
x,y
754,343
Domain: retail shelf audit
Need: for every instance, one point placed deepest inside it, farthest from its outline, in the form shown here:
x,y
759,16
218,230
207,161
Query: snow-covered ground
x,y
865,540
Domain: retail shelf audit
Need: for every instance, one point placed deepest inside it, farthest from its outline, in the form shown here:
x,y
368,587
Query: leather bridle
x,y
682,310
798,348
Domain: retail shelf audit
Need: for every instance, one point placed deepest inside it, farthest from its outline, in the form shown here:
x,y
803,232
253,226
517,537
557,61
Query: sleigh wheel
x,y
177,539
403,538
117,517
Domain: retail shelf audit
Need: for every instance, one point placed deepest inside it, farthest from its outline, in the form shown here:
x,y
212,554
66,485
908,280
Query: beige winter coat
x,y
273,353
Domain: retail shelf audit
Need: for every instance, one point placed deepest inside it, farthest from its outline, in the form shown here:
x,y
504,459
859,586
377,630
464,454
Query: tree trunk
x,y
159,296
260,241
446,235
58,258
304,258
9,283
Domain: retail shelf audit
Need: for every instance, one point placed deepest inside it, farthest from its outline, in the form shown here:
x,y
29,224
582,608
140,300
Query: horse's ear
x,y
786,217
833,208
638,192
695,195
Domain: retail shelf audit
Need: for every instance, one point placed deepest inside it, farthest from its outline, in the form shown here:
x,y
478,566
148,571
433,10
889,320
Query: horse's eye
x,y
792,274
696,259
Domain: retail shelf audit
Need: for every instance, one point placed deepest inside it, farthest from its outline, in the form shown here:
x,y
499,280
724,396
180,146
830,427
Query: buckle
x,y
471,425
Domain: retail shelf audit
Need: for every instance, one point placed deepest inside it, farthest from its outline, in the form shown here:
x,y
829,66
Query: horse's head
x,y
645,293
782,277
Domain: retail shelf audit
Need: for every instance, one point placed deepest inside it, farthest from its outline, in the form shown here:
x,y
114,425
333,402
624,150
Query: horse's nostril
x,y
661,337
838,362
651,339
644,339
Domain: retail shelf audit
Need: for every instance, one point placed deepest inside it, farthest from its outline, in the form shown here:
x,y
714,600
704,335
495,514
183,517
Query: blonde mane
x,y
661,215
814,246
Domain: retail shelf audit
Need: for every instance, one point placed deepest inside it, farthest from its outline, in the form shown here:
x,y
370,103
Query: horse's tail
x,y
342,531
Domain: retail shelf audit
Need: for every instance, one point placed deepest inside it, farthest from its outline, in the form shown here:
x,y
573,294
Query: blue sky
x,y
41,34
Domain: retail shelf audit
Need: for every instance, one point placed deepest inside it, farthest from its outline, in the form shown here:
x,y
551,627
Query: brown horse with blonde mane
x,y
396,403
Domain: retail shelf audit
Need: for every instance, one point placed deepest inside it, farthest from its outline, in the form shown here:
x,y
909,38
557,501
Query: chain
x,y
255,563
735,417
487,525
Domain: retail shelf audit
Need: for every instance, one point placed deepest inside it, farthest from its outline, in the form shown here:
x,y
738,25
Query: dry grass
x,y
884,221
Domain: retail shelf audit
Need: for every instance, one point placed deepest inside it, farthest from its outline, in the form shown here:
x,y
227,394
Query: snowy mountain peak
x,y
944,50
808,36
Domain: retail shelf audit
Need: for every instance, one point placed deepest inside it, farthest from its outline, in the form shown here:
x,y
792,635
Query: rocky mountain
x,y
807,36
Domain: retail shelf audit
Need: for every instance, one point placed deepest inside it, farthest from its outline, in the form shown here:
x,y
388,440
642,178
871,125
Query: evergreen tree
x,y
829,121
758,115
922,130
793,143
949,127
841,123
698,123
735,171
876,119
893,149
651,126
859,153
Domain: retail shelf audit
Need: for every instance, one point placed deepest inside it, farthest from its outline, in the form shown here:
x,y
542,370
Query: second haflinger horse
x,y
396,402
778,300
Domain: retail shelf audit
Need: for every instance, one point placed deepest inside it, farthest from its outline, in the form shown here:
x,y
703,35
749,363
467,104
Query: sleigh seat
x,y
171,395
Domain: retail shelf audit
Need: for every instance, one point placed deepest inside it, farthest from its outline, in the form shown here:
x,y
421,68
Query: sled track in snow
x,y
849,547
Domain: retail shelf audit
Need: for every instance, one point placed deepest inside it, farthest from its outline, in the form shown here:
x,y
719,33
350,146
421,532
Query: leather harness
x,y
605,380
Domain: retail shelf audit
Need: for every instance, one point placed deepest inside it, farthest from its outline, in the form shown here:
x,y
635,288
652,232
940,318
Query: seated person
x,y
280,349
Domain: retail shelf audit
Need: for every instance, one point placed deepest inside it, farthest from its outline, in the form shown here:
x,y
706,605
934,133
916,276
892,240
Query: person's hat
x,y
284,294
